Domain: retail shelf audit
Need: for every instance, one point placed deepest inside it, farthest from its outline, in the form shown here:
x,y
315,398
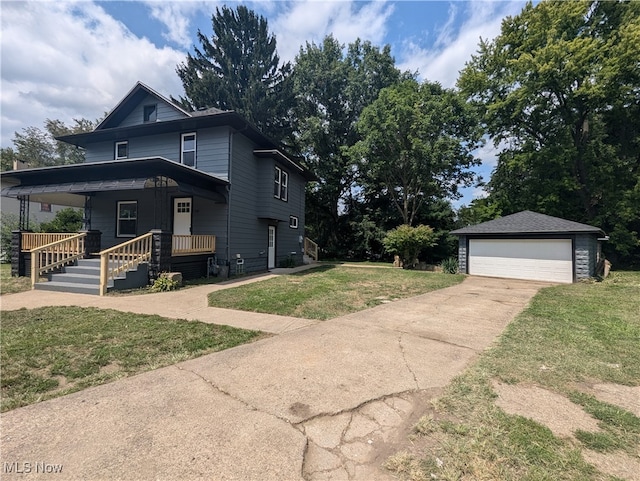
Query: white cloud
x,y
177,16
300,21
443,61
67,60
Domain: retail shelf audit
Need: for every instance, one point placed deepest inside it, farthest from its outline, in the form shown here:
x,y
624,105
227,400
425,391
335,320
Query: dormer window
x,y
150,113
122,150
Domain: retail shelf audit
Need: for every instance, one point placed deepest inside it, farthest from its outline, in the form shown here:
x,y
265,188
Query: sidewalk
x,y
189,303
327,401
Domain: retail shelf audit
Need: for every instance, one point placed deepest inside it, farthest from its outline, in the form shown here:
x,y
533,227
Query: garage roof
x,y
527,222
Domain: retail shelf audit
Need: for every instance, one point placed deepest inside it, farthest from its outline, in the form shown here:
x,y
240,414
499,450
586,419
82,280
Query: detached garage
x,y
532,246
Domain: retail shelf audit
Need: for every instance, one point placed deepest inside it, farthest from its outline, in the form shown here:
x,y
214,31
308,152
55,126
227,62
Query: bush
x,y
450,265
163,284
66,220
407,242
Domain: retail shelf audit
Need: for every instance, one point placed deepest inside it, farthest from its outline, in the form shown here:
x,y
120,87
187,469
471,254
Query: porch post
x,y
17,256
86,218
92,242
160,253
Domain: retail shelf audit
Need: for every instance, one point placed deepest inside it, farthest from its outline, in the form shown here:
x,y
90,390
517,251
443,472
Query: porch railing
x,y
56,254
33,240
311,248
123,257
192,244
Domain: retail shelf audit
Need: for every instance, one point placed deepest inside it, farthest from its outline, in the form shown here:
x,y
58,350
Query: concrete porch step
x,y
68,287
77,278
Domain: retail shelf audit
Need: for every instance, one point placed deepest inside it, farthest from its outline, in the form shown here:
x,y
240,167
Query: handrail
x,y
33,240
311,248
56,254
123,257
192,244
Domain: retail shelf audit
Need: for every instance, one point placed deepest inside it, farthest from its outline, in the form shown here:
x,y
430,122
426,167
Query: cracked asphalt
x,y
319,401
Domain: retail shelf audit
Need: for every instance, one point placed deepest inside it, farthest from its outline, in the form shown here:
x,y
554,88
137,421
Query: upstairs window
x,y
122,150
188,150
281,184
150,113
127,219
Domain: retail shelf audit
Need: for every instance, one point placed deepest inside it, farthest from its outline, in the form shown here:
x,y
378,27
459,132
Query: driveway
x,y
322,400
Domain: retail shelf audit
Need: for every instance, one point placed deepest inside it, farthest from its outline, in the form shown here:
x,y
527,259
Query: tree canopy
x,y
239,69
559,92
332,86
39,148
417,143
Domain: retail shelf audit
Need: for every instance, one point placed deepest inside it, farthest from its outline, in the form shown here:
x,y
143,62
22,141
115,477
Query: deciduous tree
x,y
559,88
417,143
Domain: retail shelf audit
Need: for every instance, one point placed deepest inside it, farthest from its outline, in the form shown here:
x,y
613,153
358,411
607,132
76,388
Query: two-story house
x,y
207,183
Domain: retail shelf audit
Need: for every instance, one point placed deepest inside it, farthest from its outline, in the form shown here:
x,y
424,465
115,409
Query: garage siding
x,y
462,254
586,249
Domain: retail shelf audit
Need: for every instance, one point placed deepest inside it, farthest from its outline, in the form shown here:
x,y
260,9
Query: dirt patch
x,y
627,397
616,464
548,408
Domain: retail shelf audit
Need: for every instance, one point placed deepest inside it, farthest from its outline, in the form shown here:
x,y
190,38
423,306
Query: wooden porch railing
x,y
33,240
123,257
311,248
192,244
56,254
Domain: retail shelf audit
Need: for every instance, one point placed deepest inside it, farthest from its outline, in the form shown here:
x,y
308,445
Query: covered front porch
x,y
138,211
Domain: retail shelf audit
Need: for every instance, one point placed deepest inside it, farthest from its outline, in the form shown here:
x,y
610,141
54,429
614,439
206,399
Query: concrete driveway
x,y
321,401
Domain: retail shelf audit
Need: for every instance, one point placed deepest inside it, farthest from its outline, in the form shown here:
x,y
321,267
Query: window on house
x,y
127,219
122,150
150,113
293,222
188,151
44,207
280,184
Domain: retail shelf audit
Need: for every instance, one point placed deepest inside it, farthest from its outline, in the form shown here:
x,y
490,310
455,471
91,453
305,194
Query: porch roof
x,y
64,184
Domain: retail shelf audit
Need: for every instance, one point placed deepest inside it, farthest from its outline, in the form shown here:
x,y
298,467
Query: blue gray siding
x,y
212,149
165,112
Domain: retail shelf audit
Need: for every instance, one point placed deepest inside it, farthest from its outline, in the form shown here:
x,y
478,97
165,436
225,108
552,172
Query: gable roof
x,y
130,101
528,222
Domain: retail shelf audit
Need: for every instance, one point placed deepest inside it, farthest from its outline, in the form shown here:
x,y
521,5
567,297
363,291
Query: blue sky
x,y
65,60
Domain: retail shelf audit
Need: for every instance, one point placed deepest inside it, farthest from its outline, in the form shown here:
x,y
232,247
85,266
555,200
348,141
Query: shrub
x,y
450,265
163,284
407,242
66,220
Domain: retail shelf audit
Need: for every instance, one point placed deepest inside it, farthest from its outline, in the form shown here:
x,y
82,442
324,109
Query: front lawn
x,y
10,285
52,351
330,291
570,339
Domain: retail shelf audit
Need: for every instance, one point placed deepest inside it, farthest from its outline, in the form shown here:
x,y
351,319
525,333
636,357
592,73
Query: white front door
x,y
272,247
182,222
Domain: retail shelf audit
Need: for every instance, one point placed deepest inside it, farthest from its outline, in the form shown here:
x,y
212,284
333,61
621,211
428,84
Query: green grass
x,y
48,352
582,333
330,291
10,285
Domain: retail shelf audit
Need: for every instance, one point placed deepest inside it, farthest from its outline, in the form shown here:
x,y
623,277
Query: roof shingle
x,y
527,222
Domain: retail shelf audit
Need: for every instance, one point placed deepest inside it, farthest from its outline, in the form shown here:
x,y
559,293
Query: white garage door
x,y
539,259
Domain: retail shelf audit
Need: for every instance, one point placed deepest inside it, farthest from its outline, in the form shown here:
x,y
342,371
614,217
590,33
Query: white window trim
x,y
118,234
293,222
281,180
195,148
115,155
